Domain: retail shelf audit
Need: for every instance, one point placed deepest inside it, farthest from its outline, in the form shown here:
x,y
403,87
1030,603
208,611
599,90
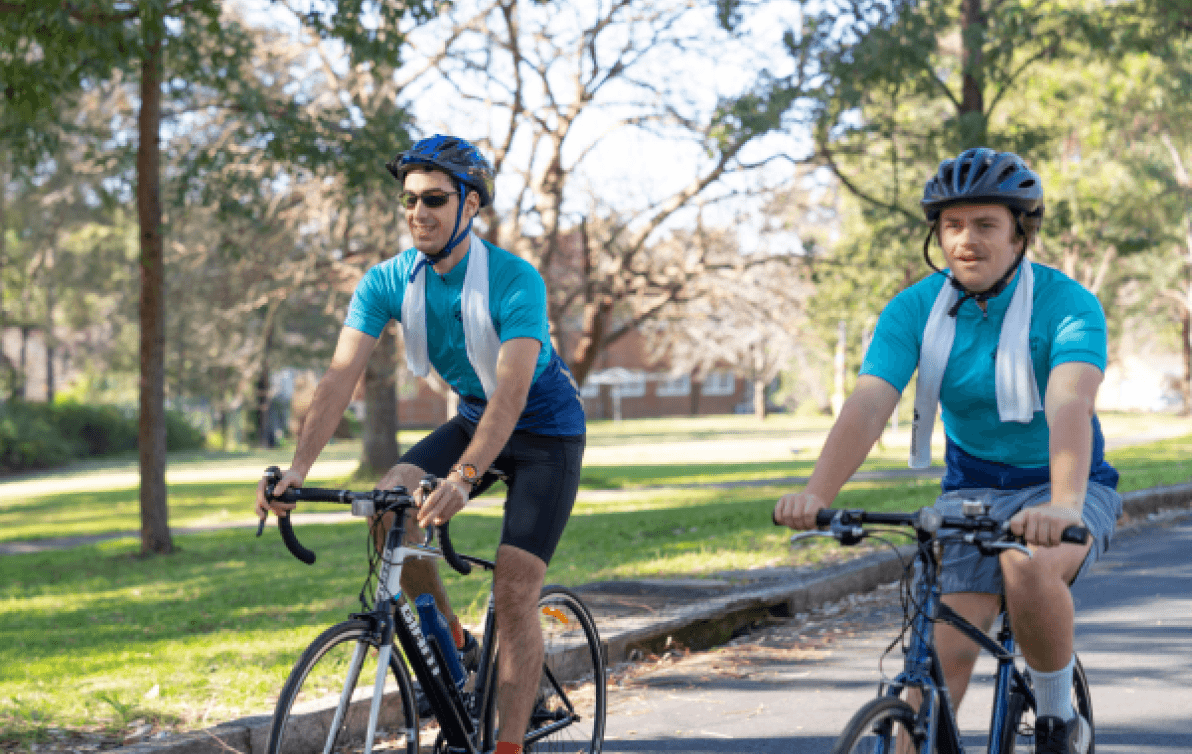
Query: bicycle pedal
x,y
469,655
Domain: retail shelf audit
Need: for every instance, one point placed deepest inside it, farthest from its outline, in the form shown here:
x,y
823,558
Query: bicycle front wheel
x,y
326,702
1018,737
877,729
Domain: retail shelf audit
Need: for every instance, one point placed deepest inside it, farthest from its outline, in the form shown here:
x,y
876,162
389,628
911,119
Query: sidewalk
x,y
641,616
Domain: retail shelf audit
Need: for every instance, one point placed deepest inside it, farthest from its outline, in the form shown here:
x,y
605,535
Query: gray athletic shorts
x,y
963,569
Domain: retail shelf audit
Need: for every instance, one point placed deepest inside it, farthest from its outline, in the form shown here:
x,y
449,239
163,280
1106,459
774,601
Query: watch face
x,y
468,472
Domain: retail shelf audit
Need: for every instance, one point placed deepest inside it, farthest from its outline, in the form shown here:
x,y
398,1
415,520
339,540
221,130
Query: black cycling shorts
x,y
542,473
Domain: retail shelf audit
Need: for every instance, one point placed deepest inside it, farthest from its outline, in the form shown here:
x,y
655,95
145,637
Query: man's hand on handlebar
x,y
1042,526
448,498
289,479
797,510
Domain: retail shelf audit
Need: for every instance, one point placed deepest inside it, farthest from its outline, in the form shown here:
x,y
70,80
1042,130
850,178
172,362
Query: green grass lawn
x,y
95,636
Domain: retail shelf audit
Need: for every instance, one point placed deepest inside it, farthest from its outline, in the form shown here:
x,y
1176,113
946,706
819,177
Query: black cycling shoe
x,y
470,654
1054,736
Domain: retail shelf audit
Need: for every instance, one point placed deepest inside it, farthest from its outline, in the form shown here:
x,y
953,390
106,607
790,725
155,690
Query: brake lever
x,y
811,534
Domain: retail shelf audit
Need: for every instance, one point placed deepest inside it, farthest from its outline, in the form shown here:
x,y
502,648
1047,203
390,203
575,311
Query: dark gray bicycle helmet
x,y
467,168
983,176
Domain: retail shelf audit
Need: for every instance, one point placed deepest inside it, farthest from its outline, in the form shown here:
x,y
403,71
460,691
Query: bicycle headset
x,y
463,163
982,176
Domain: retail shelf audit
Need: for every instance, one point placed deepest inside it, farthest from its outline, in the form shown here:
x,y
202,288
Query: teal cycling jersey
x,y
1067,325
517,304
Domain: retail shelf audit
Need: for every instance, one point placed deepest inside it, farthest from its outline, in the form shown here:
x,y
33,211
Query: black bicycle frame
x,y
922,668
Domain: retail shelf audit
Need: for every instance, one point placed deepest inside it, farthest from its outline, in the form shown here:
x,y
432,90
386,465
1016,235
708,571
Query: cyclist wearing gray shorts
x,y
477,313
1013,353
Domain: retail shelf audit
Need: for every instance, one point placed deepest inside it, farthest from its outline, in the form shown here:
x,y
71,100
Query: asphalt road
x,y
792,685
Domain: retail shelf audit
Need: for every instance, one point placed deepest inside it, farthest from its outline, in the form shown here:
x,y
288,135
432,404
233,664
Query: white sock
x,y
1053,692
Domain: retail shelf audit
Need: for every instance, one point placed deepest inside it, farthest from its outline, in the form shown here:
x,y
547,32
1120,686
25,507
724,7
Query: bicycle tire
x,y
320,682
875,728
1018,737
571,703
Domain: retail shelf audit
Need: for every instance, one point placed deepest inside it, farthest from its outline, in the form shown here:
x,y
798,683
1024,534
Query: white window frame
x,y
590,390
672,387
719,383
634,387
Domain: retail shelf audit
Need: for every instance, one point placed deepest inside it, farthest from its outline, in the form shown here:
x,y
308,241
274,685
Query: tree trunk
x,y
262,420
838,370
597,307
759,400
49,334
972,35
1186,331
381,449
18,387
5,362
151,438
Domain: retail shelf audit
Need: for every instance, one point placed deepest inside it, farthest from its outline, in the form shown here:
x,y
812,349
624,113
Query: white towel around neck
x,y
1017,390
480,336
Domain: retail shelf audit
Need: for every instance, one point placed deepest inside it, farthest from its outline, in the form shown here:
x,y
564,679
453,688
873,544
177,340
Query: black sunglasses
x,y
433,199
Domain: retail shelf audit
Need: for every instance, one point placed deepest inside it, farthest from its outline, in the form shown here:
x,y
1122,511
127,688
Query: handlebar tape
x,y
455,561
284,525
292,544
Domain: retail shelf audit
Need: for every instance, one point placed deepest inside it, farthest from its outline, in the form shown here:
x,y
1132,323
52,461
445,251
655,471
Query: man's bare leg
x,y
418,575
958,653
1040,603
517,585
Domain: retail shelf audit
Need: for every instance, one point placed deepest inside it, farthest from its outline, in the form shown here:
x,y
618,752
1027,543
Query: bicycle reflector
x,y
555,613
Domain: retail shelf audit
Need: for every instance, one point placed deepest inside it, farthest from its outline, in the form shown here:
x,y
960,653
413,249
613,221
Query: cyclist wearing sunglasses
x,y
477,313
1013,352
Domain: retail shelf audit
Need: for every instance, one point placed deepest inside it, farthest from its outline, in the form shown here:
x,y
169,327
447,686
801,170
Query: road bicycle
x,y
891,725
351,690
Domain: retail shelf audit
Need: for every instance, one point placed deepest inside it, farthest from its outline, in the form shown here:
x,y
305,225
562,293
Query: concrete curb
x,y
719,607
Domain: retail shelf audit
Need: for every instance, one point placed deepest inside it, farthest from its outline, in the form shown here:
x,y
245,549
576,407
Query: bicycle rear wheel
x,y
569,709
325,704
876,728
1018,737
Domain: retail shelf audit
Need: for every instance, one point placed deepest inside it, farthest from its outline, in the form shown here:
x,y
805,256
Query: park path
x,y
800,445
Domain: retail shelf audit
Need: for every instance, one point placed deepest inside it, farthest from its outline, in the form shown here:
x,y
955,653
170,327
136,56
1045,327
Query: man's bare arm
x,y
860,424
1070,403
516,364
331,398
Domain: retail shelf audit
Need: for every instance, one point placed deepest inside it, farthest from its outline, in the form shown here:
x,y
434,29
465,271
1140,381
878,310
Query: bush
x,y
94,430
181,434
29,440
40,435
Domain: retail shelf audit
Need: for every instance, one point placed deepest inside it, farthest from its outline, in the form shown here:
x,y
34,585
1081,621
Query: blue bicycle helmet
x,y
457,158
982,176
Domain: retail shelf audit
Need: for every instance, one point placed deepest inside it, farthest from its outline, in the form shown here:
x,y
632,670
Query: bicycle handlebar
x,y
829,517
397,498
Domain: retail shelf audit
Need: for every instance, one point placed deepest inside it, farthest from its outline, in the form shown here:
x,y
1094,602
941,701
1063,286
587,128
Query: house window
x,y
719,383
674,386
633,385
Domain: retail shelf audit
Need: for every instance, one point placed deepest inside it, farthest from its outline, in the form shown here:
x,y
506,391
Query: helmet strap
x,y
979,296
457,235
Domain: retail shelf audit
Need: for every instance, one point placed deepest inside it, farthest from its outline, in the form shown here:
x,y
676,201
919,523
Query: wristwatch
x,y
467,472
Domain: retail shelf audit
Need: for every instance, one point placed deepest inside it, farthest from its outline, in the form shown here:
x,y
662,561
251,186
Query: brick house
x,y
621,381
